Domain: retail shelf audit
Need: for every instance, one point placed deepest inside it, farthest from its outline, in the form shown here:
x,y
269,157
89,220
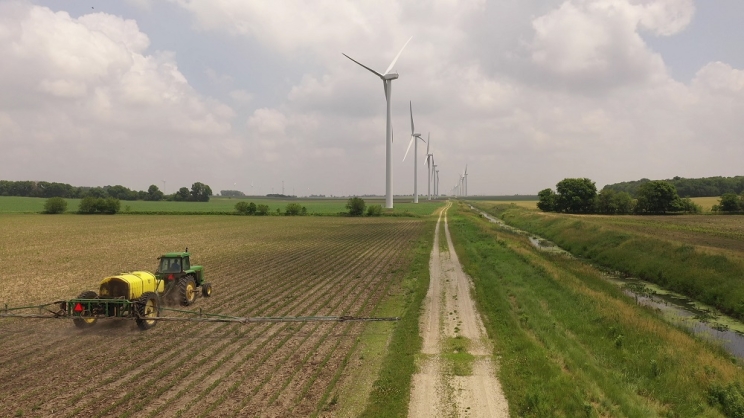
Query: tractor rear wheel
x,y
85,322
187,290
206,290
147,307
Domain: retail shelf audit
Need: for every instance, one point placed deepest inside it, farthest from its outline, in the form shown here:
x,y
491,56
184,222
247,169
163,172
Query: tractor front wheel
x,y
85,322
147,308
206,290
187,290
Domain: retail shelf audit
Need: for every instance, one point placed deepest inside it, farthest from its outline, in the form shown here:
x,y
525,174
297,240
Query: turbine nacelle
x,y
391,76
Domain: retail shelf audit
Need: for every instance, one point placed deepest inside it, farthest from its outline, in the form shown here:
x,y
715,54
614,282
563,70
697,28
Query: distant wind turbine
x,y
434,180
466,179
387,81
414,139
429,162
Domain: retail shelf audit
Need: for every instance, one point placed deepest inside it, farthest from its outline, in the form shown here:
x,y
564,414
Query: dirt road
x,y
456,375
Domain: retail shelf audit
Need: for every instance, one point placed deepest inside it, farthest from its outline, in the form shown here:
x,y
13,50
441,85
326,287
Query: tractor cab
x,y
174,263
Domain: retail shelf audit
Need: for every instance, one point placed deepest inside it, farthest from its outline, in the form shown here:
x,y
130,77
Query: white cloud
x,y
572,89
82,97
597,43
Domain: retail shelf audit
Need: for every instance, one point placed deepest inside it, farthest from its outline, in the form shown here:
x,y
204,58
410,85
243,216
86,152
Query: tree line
x,y
701,187
579,195
199,192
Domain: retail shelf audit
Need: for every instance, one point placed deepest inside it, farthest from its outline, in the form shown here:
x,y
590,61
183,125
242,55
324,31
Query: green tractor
x,y
139,294
182,279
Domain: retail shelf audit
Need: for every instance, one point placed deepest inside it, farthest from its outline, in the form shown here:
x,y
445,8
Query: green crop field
x,y
11,204
258,266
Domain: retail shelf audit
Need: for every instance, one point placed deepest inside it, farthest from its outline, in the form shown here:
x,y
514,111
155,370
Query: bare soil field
x,y
273,266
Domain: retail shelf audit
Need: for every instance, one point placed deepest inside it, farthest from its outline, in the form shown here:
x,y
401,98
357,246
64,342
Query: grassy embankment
x,y
701,257
221,205
391,391
571,344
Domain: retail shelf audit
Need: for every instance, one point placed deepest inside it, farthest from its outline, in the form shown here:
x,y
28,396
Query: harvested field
x,y
268,266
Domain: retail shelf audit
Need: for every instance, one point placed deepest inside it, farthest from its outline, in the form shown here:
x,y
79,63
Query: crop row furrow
x,y
161,376
245,399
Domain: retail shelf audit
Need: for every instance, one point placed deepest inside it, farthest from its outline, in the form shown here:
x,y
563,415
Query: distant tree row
x,y
199,192
701,187
231,193
579,195
88,205
246,208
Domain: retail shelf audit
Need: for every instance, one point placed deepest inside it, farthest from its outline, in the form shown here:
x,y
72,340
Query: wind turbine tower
x,y
466,179
429,162
436,183
414,138
387,82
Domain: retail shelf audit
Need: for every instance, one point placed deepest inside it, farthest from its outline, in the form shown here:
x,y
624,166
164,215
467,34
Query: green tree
x,y
262,210
293,209
200,192
154,193
729,202
687,205
182,195
88,205
374,210
657,196
55,205
109,205
242,207
576,195
355,205
547,199
613,202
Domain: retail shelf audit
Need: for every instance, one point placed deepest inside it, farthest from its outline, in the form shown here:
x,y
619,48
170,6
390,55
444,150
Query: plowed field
x,y
273,266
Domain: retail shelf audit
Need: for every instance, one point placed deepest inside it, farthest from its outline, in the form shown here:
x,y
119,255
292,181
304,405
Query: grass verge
x,y
571,344
713,279
391,391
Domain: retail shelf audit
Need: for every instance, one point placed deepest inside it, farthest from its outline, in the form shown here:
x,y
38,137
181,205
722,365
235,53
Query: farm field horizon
x,y
224,205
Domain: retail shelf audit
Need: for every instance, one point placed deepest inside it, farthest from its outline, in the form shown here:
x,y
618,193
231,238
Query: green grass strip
x,y
570,344
392,390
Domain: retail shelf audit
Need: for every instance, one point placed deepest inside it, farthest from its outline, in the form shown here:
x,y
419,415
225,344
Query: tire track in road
x,y
450,315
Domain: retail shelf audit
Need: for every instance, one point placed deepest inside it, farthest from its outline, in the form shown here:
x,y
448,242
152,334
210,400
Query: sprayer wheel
x,y
148,307
85,322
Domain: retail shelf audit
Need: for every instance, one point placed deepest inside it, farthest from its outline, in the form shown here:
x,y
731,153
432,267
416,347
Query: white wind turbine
x,y
414,137
387,81
429,163
436,181
466,179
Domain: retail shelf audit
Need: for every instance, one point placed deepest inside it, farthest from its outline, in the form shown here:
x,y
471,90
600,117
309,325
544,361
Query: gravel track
x,y
450,313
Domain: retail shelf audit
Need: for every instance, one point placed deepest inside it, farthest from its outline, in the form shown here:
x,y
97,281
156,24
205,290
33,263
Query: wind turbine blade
x,y
369,69
410,106
426,161
409,147
396,57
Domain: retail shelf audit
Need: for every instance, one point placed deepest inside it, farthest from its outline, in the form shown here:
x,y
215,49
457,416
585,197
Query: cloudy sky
x,y
246,94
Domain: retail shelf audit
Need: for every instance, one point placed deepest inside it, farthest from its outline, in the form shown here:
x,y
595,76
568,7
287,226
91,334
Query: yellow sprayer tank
x,y
130,285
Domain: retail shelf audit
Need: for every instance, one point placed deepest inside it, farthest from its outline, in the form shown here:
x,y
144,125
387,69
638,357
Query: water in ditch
x,y
704,321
